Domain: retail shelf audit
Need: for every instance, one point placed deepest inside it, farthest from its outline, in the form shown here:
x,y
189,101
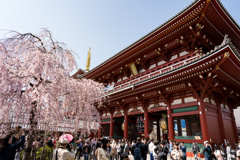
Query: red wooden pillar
x,y
99,131
203,120
111,126
234,126
188,129
170,122
221,124
125,125
146,124
179,126
158,132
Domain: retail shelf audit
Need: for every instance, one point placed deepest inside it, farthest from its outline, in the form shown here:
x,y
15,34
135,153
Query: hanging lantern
x,y
140,124
163,122
129,126
123,126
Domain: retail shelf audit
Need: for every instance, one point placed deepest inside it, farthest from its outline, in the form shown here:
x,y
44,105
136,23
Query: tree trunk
x,y
27,150
31,134
41,158
45,134
34,153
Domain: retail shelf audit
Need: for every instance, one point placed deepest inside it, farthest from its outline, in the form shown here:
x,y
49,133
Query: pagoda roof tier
x,y
220,65
210,15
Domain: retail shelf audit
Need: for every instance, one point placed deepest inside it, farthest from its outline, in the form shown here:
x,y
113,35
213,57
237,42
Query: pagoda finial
x,y
88,59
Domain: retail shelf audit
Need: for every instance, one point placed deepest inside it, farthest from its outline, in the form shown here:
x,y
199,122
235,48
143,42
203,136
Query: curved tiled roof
x,y
158,29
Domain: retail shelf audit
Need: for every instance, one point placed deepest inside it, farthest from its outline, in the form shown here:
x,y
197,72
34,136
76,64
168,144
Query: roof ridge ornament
x,y
88,59
226,40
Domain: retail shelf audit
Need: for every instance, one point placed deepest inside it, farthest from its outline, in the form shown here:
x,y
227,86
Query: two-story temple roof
x,y
185,72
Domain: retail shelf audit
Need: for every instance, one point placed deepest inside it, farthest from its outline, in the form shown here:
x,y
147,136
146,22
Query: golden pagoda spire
x,y
88,59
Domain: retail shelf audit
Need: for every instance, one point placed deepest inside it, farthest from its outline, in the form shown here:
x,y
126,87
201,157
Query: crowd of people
x,y
123,149
115,149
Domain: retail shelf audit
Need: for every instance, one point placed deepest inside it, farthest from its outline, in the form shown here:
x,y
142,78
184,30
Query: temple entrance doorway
x,y
158,126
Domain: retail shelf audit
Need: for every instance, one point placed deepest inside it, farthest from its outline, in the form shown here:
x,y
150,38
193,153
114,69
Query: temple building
x,y
179,82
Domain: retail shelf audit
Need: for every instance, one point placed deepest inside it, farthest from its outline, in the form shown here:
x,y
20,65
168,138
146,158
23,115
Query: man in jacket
x,y
195,150
207,151
184,150
145,149
62,153
86,150
161,151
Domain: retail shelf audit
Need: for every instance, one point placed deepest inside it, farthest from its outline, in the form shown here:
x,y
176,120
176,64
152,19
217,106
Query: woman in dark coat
x,y
8,149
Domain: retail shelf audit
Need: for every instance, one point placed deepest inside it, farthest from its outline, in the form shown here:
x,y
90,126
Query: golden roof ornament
x,y
88,59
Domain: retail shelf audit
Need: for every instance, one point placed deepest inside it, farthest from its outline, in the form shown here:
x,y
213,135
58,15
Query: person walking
x,y
109,151
207,151
238,151
126,150
151,149
154,147
118,147
223,150
137,150
195,150
184,150
218,153
176,153
145,149
161,151
228,151
62,153
238,154
100,154
122,147
37,144
170,148
86,150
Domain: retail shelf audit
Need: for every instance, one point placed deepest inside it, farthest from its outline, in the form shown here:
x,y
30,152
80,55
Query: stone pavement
x,y
168,158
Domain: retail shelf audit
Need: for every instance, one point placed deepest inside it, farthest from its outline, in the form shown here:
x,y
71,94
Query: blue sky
x,y
108,26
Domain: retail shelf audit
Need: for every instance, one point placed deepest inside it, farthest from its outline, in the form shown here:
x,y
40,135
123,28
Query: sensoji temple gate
x,y
183,79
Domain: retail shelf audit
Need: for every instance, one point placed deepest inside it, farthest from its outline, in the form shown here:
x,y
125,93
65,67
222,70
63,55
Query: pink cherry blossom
x,y
37,91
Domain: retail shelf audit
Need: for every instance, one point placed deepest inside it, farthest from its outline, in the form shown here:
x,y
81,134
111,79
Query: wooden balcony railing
x,y
157,70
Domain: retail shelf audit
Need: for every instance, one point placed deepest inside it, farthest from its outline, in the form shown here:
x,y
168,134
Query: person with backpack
x,y
137,150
